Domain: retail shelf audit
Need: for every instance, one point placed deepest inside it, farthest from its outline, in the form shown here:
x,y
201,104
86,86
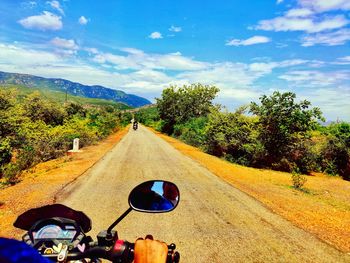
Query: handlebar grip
x,y
123,251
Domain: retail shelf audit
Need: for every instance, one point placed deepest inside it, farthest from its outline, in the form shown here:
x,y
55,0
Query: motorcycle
x,y
135,126
59,232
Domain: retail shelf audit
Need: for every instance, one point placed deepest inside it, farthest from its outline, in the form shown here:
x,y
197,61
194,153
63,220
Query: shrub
x,y
9,173
298,179
37,130
5,151
282,122
232,135
193,131
336,151
330,168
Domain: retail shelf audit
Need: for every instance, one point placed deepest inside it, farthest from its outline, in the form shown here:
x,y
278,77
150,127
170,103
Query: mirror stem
x,y
109,230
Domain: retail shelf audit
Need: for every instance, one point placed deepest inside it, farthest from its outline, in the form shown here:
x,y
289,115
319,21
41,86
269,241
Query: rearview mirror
x,y
154,197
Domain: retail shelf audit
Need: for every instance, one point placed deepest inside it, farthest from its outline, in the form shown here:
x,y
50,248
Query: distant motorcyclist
x,y
135,125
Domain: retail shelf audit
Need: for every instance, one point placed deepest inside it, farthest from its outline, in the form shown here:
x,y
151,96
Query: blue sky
x,y
246,48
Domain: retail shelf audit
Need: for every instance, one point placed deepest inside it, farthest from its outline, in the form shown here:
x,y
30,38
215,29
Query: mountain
x,y
72,88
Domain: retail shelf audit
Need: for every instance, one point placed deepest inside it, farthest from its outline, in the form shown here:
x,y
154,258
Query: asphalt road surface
x,y
214,221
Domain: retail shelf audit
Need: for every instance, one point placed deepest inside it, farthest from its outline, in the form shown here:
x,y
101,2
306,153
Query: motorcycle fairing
x,y
26,220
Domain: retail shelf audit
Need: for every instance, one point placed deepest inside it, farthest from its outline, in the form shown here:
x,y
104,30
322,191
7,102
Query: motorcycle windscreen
x,y
26,220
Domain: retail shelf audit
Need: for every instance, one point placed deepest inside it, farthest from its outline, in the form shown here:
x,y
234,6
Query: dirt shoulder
x,y
40,185
323,209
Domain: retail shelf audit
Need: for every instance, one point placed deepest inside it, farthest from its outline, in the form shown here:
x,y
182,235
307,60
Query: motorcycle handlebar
x,y
121,252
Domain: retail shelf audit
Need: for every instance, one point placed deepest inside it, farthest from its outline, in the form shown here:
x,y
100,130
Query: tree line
x,y
276,133
34,129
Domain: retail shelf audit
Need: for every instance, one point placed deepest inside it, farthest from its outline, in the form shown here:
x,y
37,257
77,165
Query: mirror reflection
x,y
154,196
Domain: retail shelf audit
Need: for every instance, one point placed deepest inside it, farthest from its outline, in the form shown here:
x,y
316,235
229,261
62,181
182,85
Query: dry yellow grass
x,y
40,185
322,209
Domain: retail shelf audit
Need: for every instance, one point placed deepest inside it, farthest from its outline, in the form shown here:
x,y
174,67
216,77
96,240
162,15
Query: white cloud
x,y
83,20
42,63
345,59
45,21
333,102
250,41
137,59
233,79
264,68
316,78
133,51
279,1
155,35
303,24
29,4
148,74
56,5
64,43
18,56
339,37
325,89
325,5
342,61
175,61
91,50
299,12
175,29
120,62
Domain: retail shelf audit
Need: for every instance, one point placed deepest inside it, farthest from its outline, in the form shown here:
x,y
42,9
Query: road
x,y
214,221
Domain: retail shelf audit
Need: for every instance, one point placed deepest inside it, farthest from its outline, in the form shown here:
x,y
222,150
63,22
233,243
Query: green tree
x,y
34,129
147,116
282,124
232,135
336,152
73,108
179,104
37,108
193,131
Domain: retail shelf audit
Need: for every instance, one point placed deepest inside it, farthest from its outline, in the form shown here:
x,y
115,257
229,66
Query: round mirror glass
x,y
154,196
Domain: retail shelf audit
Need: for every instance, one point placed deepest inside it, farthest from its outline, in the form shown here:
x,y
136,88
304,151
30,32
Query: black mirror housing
x,y
156,196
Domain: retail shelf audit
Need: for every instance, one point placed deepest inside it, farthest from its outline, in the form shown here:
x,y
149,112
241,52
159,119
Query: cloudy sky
x,y
246,48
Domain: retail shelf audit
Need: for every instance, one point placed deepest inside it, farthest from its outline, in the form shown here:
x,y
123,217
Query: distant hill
x,y
61,97
72,88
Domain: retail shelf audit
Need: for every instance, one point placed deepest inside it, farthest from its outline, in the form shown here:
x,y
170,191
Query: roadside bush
x,y
80,128
103,122
5,151
283,123
180,104
330,168
336,151
125,118
37,108
298,180
9,174
148,116
73,108
232,135
303,155
192,132
33,130
284,165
